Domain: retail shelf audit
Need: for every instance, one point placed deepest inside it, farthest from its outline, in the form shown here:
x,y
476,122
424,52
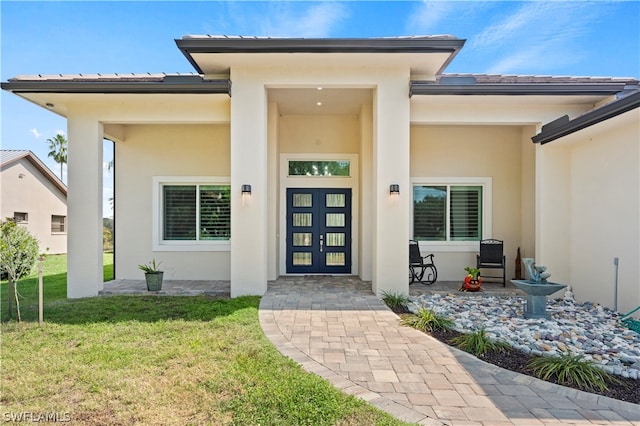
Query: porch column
x,y
248,167
391,167
84,206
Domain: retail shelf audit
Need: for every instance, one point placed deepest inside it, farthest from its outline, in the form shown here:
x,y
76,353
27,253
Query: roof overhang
x,y
564,127
516,89
212,55
188,84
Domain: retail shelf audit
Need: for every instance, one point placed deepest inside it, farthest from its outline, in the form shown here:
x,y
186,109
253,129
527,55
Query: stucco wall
x,y
164,150
330,134
39,198
589,211
475,151
605,216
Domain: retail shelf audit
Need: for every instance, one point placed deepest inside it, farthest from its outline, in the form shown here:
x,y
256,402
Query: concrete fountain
x,y
537,288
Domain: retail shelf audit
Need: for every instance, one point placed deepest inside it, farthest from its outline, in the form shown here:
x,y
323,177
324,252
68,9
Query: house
x,y
33,195
283,156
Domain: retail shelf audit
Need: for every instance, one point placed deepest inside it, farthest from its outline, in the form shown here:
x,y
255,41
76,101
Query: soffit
x,y
334,101
422,64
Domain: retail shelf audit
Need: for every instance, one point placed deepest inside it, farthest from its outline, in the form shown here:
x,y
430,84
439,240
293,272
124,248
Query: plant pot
x,y
471,284
154,280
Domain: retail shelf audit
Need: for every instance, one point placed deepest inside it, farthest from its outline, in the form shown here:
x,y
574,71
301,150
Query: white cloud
x,y
280,19
35,133
536,36
427,16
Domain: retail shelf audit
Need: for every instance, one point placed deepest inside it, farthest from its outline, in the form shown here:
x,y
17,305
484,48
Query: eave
x,y
564,127
516,89
168,85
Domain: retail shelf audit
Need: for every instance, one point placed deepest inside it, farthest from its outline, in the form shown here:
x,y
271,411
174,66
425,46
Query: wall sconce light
x,y
21,176
246,189
394,189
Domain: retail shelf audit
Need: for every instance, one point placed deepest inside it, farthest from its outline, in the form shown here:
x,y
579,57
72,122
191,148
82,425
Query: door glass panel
x,y
302,239
302,258
335,259
335,200
335,239
302,219
335,219
301,200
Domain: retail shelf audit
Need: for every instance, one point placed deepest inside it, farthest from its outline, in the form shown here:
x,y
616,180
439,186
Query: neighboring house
x,y
278,157
35,198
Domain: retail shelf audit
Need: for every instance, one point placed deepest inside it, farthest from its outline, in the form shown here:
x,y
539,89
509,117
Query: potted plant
x,y
472,282
153,275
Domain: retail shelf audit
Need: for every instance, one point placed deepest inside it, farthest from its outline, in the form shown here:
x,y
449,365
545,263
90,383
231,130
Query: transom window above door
x,y
340,168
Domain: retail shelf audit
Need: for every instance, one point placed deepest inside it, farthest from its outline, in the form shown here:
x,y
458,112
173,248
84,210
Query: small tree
x,y
18,254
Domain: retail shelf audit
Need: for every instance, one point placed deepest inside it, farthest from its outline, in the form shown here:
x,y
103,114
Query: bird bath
x,y
537,296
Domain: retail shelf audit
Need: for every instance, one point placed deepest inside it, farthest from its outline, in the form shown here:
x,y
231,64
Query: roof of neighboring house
x,y
497,84
564,127
10,156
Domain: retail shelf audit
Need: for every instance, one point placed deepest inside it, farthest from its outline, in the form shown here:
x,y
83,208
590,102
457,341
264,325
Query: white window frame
x,y
458,246
64,224
157,217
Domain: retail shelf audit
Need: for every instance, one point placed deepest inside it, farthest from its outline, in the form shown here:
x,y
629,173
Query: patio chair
x,y
421,268
492,257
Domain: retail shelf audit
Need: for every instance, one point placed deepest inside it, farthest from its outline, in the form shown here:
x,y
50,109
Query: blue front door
x,y
319,230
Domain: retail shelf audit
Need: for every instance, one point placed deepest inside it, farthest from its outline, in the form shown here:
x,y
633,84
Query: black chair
x,y
421,269
492,257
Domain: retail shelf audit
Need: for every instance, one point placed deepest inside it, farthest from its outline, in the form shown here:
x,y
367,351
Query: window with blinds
x,y
58,223
447,212
196,212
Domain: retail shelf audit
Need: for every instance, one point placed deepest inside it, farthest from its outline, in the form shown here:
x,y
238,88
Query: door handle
x,y
321,242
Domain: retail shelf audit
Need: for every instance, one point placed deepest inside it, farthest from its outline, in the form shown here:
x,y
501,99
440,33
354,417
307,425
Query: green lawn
x,y
160,360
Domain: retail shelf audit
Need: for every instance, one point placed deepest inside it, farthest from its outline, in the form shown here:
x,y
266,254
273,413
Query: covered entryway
x,y
318,230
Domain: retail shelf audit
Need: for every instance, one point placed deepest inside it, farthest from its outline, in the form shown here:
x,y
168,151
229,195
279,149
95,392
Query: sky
x,y
578,38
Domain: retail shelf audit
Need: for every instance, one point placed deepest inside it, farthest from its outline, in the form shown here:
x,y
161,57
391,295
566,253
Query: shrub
x,y
571,369
395,301
427,320
478,343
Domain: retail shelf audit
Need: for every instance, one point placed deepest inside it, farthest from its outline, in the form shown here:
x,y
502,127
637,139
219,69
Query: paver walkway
x,y
338,329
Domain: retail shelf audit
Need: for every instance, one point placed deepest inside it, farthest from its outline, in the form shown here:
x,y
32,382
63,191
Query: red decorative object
x,y
470,284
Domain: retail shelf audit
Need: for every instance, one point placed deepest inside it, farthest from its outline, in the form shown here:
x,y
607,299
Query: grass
x,y
478,343
162,360
571,369
427,320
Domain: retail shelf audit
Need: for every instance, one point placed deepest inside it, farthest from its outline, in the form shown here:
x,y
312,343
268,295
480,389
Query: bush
x,y
478,343
570,369
395,301
427,320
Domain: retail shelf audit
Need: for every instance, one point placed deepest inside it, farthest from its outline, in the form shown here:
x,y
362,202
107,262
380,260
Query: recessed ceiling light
x,y
49,105
319,88
319,103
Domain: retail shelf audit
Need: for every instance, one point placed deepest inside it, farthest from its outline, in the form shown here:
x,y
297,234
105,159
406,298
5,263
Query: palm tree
x,y
58,150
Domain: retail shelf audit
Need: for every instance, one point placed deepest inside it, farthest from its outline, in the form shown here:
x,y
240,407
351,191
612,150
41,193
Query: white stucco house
x,y
35,198
276,157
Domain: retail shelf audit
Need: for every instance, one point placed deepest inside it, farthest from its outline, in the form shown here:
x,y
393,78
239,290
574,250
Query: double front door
x,y
319,230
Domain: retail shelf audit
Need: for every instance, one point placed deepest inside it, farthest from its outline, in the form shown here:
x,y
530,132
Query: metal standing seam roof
x,y
10,156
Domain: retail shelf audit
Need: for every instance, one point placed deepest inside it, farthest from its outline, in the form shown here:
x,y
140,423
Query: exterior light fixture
x,y
246,189
394,189
49,105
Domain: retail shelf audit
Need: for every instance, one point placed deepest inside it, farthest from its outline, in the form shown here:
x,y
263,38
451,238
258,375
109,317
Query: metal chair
x,y
492,257
421,269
